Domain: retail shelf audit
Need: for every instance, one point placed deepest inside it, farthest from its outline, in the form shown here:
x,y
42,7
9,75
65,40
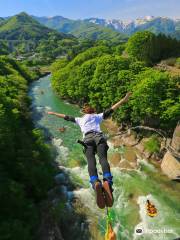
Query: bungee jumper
x,y
94,143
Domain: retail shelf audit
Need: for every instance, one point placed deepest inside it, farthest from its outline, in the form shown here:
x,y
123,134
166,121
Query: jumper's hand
x,y
126,98
50,113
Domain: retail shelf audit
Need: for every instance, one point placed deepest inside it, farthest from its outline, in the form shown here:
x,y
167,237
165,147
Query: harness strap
x,y
82,143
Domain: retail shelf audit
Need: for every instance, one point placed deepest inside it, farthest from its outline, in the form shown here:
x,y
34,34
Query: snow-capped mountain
x,y
155,24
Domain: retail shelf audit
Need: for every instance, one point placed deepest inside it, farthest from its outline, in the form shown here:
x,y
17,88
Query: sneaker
x,y
99,194
108,194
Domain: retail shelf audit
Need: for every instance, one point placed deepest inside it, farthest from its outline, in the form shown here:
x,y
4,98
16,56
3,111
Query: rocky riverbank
x,y
134,147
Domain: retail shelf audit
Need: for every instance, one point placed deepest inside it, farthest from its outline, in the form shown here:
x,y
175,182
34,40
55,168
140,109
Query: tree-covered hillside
x,y
21,34
101,77
25,166
1,20
24,27
146,46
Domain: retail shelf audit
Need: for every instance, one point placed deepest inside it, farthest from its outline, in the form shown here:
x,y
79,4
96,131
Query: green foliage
x,y
177,62
152,145
25,167
146,46
10,66
119,49
137,66
1,20
24,27
3,48
101,77
105,85
89,54
170,107
73,77
140,46
27,38
155,93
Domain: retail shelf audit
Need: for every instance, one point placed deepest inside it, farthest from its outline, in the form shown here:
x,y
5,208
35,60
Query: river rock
x,y
130,154
117,142
115,159
60,179
126,139
141,148
125,164
170,166
129,139
111,126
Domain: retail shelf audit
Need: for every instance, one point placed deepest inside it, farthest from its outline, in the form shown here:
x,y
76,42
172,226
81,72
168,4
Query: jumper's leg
x,y
90,152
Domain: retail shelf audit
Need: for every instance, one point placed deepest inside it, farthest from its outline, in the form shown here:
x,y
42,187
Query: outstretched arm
x,y
57,114
65,117
107,113
122,101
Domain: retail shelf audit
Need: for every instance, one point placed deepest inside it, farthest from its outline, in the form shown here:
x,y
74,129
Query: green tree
x,y
104,87
26,173
141,46
153,99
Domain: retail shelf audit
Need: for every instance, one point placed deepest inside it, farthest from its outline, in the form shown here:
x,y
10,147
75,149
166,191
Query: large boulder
x,y
170,166
176,139
171,161
115,159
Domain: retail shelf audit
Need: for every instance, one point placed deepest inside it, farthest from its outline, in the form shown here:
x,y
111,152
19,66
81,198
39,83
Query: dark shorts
x,y
95,138
96,144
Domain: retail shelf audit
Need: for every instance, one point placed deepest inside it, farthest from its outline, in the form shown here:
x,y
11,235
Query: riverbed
x,y
132,187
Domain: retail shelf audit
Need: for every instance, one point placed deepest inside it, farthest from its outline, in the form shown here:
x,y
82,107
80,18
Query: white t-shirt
x,y
90,122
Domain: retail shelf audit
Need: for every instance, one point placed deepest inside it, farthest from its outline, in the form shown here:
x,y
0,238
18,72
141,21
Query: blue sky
x,y
79,9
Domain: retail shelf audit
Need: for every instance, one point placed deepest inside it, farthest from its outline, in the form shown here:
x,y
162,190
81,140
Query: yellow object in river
x,y
151,209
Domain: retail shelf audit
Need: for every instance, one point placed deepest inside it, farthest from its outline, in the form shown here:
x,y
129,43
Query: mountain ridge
x,y
23,27
160,24
80,28
156,25
98,28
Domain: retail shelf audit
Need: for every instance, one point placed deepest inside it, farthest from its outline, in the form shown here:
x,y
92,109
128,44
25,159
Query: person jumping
x,y
95,142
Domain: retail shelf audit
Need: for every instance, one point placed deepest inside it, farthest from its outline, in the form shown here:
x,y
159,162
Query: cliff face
x,y
176,139
171,162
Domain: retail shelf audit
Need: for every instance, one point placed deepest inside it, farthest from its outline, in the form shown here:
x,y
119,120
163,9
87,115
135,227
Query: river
x,y
131,187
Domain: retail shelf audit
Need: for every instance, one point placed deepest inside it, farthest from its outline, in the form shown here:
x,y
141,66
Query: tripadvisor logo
x,y
139,231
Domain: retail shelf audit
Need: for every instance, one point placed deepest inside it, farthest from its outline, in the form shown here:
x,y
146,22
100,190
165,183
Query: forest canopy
x,y
101,76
